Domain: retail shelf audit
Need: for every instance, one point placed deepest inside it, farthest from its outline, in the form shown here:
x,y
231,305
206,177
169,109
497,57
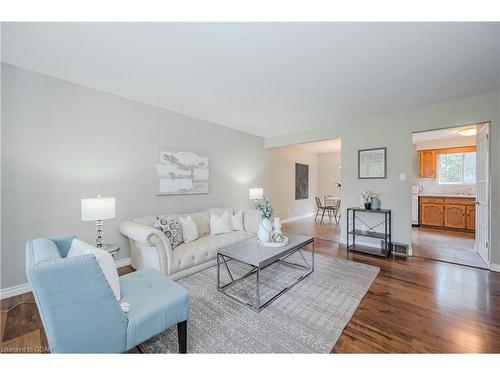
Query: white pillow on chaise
x,y
237,221
189,229
104,259
220,223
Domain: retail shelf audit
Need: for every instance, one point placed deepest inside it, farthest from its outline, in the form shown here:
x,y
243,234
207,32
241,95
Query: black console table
x,y
372,232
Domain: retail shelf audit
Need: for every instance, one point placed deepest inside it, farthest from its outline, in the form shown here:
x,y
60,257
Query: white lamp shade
x,y
255,193
94,209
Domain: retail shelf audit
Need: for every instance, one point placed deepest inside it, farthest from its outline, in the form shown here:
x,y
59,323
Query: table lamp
x,y
255,193
98,209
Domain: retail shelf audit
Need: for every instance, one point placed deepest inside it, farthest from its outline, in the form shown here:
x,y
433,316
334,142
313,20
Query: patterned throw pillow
x,y
171,228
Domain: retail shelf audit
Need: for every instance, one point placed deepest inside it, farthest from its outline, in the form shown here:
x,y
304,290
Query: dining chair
x,y
332,205
320,207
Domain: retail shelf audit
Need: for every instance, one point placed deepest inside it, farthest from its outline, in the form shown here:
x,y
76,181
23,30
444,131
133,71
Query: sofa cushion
x,y
156,303
251,220
189,229
220,223
220,211
171,228
204,249
201,218
44,250
237,221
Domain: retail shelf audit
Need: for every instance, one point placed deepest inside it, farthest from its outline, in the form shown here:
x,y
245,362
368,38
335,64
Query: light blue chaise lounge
x,y
79,312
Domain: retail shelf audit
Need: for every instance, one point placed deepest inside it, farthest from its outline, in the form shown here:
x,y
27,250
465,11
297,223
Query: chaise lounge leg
x,y
182,336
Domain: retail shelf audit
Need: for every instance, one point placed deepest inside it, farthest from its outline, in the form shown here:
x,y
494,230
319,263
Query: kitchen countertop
x,y
447,195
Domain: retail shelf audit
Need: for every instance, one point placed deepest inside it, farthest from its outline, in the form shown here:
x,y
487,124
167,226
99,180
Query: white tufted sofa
x,y
150,248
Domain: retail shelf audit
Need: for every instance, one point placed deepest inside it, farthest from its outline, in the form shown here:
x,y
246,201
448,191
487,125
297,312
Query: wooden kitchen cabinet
x,y
431,214
470,222
448,212
454,216
427,163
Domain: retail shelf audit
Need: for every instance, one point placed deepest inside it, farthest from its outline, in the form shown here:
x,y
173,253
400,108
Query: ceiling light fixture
x,y
468,132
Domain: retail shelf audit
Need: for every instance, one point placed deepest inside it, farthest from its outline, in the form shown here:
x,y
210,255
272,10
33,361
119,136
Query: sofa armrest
x,y
139,232
152,237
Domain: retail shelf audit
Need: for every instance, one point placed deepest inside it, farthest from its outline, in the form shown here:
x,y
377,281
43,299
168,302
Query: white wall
x,y
394,131
62,142
279,180
328,174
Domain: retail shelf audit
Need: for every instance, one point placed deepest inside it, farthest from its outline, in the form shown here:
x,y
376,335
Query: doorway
x,y
450,195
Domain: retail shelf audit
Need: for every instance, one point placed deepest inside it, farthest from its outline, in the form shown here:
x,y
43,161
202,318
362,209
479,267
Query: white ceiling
x,y
266,78
322,147
448,133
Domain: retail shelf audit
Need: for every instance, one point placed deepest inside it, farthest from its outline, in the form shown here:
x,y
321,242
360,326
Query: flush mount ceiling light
x,y
467,132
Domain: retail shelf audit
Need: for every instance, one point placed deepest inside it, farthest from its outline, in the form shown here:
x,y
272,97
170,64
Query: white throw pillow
x,y
104,259
189,229
251,220
237,221
77,248
220,223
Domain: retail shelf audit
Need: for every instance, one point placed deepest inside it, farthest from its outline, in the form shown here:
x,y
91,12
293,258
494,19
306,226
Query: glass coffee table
x,y
258,258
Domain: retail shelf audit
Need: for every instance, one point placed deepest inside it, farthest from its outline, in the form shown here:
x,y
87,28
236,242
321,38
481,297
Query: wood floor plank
x,y
28,343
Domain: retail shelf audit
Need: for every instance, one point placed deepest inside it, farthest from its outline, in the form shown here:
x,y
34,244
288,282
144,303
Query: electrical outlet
x,y
402,176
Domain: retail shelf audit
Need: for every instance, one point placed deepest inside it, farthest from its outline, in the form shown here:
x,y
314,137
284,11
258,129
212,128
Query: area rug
x,y
308,318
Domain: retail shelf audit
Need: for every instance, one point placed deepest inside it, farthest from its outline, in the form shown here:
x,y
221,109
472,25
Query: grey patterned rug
x,y
308,318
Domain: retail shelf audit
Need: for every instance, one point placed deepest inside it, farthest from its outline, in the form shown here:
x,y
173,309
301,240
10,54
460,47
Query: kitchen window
x,y
457,168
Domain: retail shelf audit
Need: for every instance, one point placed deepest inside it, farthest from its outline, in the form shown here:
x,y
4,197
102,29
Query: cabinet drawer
x,y
431,200
464,201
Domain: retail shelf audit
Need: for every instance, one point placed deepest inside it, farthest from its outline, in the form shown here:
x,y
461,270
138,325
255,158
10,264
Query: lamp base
x,y
98,241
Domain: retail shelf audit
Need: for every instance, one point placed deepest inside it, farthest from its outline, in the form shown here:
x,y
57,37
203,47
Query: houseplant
x,y
264,232
368,195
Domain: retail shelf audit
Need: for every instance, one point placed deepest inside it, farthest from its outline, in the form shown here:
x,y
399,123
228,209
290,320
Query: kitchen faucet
x,y
467,191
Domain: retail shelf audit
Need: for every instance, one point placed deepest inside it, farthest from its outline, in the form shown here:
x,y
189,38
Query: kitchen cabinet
x,y
448,212
470,218
431,214
454,216
427,163
428,159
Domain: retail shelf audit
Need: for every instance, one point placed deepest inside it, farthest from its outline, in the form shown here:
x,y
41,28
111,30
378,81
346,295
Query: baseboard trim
x,y
295,218
15,290
25,288
494,267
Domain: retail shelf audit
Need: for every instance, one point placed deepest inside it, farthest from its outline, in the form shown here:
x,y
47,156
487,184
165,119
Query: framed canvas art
x,y
372,163
180,173
301,181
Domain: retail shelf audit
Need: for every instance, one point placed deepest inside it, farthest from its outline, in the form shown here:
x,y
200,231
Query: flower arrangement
x,y
368,195
265,208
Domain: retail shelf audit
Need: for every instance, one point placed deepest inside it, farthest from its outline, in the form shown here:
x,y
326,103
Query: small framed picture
x,y
372,163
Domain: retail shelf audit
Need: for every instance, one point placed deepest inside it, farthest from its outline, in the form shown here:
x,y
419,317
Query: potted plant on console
x,y
368,195
264,232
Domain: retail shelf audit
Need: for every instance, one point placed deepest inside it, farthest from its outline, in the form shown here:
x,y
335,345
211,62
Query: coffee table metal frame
x,y
257,305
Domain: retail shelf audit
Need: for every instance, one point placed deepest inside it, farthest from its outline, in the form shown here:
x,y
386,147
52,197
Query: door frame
x,y
479,123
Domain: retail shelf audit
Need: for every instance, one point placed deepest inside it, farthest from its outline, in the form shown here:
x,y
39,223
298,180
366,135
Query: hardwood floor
x,y
415,305
445,245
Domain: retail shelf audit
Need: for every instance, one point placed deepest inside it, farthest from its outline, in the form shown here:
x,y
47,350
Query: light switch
x,y
402,176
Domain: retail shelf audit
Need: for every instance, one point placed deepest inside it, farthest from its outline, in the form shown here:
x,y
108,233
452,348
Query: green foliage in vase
x,y
265,208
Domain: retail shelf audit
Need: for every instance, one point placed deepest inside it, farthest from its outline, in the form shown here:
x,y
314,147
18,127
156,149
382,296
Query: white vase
x,y
264,232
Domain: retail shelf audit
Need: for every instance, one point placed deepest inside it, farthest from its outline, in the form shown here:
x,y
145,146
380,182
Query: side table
x,y
112,248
